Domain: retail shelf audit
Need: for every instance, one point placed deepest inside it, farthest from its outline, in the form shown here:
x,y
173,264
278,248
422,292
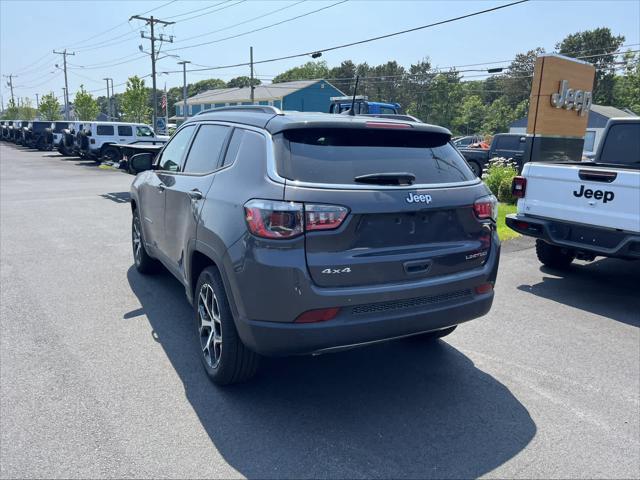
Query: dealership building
x,y
300,95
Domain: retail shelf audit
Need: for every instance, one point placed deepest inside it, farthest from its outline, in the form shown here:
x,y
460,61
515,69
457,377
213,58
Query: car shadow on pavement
x,y
401,409
606,287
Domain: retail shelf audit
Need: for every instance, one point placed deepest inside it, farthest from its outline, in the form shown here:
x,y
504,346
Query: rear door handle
x,y
195,194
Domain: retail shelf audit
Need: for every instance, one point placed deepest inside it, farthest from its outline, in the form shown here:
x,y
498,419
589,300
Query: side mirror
x,y
141,162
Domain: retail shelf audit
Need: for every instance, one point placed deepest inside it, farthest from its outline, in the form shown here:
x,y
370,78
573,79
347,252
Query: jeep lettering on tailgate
x,y
604,195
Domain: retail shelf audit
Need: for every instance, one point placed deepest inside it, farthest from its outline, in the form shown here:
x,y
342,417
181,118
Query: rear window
x,y
60,126
104,130
622,145
337,156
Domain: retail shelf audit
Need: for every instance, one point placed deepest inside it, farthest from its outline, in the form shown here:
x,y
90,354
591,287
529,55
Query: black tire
x,y
144,263
431,336
553,256
224,357
112,154
477,169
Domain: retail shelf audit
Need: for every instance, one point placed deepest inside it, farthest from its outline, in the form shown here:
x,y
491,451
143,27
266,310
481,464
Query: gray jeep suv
x,y
303,233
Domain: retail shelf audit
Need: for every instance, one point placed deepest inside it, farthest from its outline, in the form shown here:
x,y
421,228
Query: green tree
x,y
597,47
343,76
12,111
627,86
135,101
499,115
26,110
472,115
241,82
309,71
50,107
209,84
85,105
517,82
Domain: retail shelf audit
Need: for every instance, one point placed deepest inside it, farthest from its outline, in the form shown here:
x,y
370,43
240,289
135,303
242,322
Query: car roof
x,y
276,121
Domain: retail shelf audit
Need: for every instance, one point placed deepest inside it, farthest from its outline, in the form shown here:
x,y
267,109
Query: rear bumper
x,y
348,331
367,314
605,242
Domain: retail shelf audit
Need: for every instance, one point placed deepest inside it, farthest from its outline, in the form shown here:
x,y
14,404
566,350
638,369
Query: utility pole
x,y
64,54
112,103
151,21
10,84
184,88
252,86
108,99
37,102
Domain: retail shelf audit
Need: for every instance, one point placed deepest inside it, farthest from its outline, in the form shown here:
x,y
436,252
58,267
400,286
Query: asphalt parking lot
x,y
100,376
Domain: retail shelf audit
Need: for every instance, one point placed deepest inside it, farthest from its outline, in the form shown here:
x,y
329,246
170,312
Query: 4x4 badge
x,y
332,271
415,198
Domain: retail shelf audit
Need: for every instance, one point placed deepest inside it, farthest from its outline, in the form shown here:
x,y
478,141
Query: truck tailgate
x,y
598,196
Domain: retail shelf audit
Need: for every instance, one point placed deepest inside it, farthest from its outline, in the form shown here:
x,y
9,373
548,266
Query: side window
x,y
144,132
104,130
205,151
387,110
125,131
234,147
174,151
508,143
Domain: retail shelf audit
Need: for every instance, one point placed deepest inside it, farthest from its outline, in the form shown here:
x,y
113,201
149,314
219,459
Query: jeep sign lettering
x,y
571,99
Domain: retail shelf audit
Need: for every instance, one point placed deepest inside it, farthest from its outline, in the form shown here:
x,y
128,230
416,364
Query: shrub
x,y
498,177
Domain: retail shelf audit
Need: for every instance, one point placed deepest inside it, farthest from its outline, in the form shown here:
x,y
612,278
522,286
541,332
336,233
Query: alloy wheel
x,y
210,329
136,239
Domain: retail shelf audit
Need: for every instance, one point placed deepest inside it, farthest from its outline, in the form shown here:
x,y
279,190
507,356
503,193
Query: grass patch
x,y
504,232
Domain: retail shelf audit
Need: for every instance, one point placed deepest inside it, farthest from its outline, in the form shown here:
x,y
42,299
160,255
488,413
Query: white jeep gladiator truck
x,y
584,209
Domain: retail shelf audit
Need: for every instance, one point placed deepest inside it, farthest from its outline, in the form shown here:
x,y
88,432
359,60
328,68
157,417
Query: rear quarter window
x,y
337,156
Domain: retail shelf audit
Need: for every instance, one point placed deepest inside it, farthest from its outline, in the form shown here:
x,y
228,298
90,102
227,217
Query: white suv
x,y
101,136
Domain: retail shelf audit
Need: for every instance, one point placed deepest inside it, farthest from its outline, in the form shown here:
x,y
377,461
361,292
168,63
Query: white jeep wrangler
x,y
99,138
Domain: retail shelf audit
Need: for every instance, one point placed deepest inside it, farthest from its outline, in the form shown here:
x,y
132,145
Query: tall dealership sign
x,y
561,96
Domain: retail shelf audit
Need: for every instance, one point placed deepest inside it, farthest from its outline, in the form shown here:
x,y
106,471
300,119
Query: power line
x,y
212,11
197,10
262,28
241,23
328,49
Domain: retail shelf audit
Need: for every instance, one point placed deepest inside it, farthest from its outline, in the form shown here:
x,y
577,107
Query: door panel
x,y
152,198
186,191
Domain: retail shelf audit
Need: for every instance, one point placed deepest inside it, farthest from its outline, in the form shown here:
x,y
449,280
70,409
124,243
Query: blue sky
x,y
29,30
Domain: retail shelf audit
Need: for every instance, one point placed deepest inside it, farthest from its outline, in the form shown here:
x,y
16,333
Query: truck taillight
x,y
518,187
282,220
486,208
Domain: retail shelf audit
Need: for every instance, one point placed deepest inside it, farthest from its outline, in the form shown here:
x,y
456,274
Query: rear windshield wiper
x,y
391,178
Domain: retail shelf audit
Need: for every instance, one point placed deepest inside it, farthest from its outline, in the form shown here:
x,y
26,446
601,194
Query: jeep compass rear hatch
x,y
384,203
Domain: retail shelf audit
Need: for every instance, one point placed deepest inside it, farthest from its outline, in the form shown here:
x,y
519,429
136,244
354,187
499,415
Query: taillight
x,y
314,316
323,217
486,208
272,219
518,187
281,220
